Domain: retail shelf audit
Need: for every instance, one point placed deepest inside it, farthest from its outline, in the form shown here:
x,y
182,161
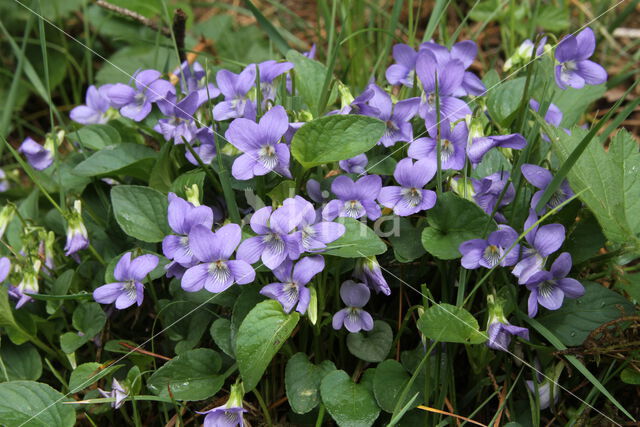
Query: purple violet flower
x,y
465,52
216,273
4,182
315,233
481,145
397,117
118,392
5,268
269,71
291,289
548,288
129,275
544,392
353,317
368,270
39,157
575,69
488,190
499,329
541,178
260,142
403,71
314,190
136,103
544,241
410,197
273,243
553,116
355,199
449,82
95,109
77,236
488,253
183,217
179,124
194,81
28,284
360,105
229,414
453,143
235,88
206,150
355,164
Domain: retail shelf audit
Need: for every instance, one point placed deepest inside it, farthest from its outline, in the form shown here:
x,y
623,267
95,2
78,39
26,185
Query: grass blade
x,y
272,32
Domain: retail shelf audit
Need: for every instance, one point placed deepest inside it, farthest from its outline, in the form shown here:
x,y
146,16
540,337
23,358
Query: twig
x,y
136,17
141,351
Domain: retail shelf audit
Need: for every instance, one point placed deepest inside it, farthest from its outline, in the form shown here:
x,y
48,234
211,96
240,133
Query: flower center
x,y
412,196
231,417
354,314
308,233
139,98
556,198
446,150
353,208
220,271
129,288
492,255
546,288
274,242
290,291
569,66
267,156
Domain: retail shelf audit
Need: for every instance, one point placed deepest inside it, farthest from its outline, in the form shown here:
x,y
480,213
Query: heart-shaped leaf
x,y
302,380
372,346
350,404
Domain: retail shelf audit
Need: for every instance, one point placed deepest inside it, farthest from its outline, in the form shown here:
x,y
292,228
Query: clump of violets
x,y
260,143
355,199
575,69
77,236
548,288
179,125
128,289
229,414
291,291
395,116
39,157
135,102
215,271
410,197
354,319
95,110
235,88
491,252
499,329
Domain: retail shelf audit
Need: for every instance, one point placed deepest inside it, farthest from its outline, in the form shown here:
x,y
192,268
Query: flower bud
x,y
6,215
77,236
193,194
368,270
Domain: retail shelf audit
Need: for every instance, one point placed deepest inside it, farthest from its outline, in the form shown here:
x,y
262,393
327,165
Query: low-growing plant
x,y
270,244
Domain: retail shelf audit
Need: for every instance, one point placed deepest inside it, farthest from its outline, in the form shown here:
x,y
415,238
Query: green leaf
x,y
573,322
596,173
220,331
259,338
574,102
282,191
22,362
586,239
630,376
302,380
89,373
60,287
389,382
122,159
453,220
358,241
309,79
71,341
505,99
350,404
405,240
141,212
132,58
190,376
333,138
186,180
372,346
163,171
448,323
89,319
32,404
96,137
